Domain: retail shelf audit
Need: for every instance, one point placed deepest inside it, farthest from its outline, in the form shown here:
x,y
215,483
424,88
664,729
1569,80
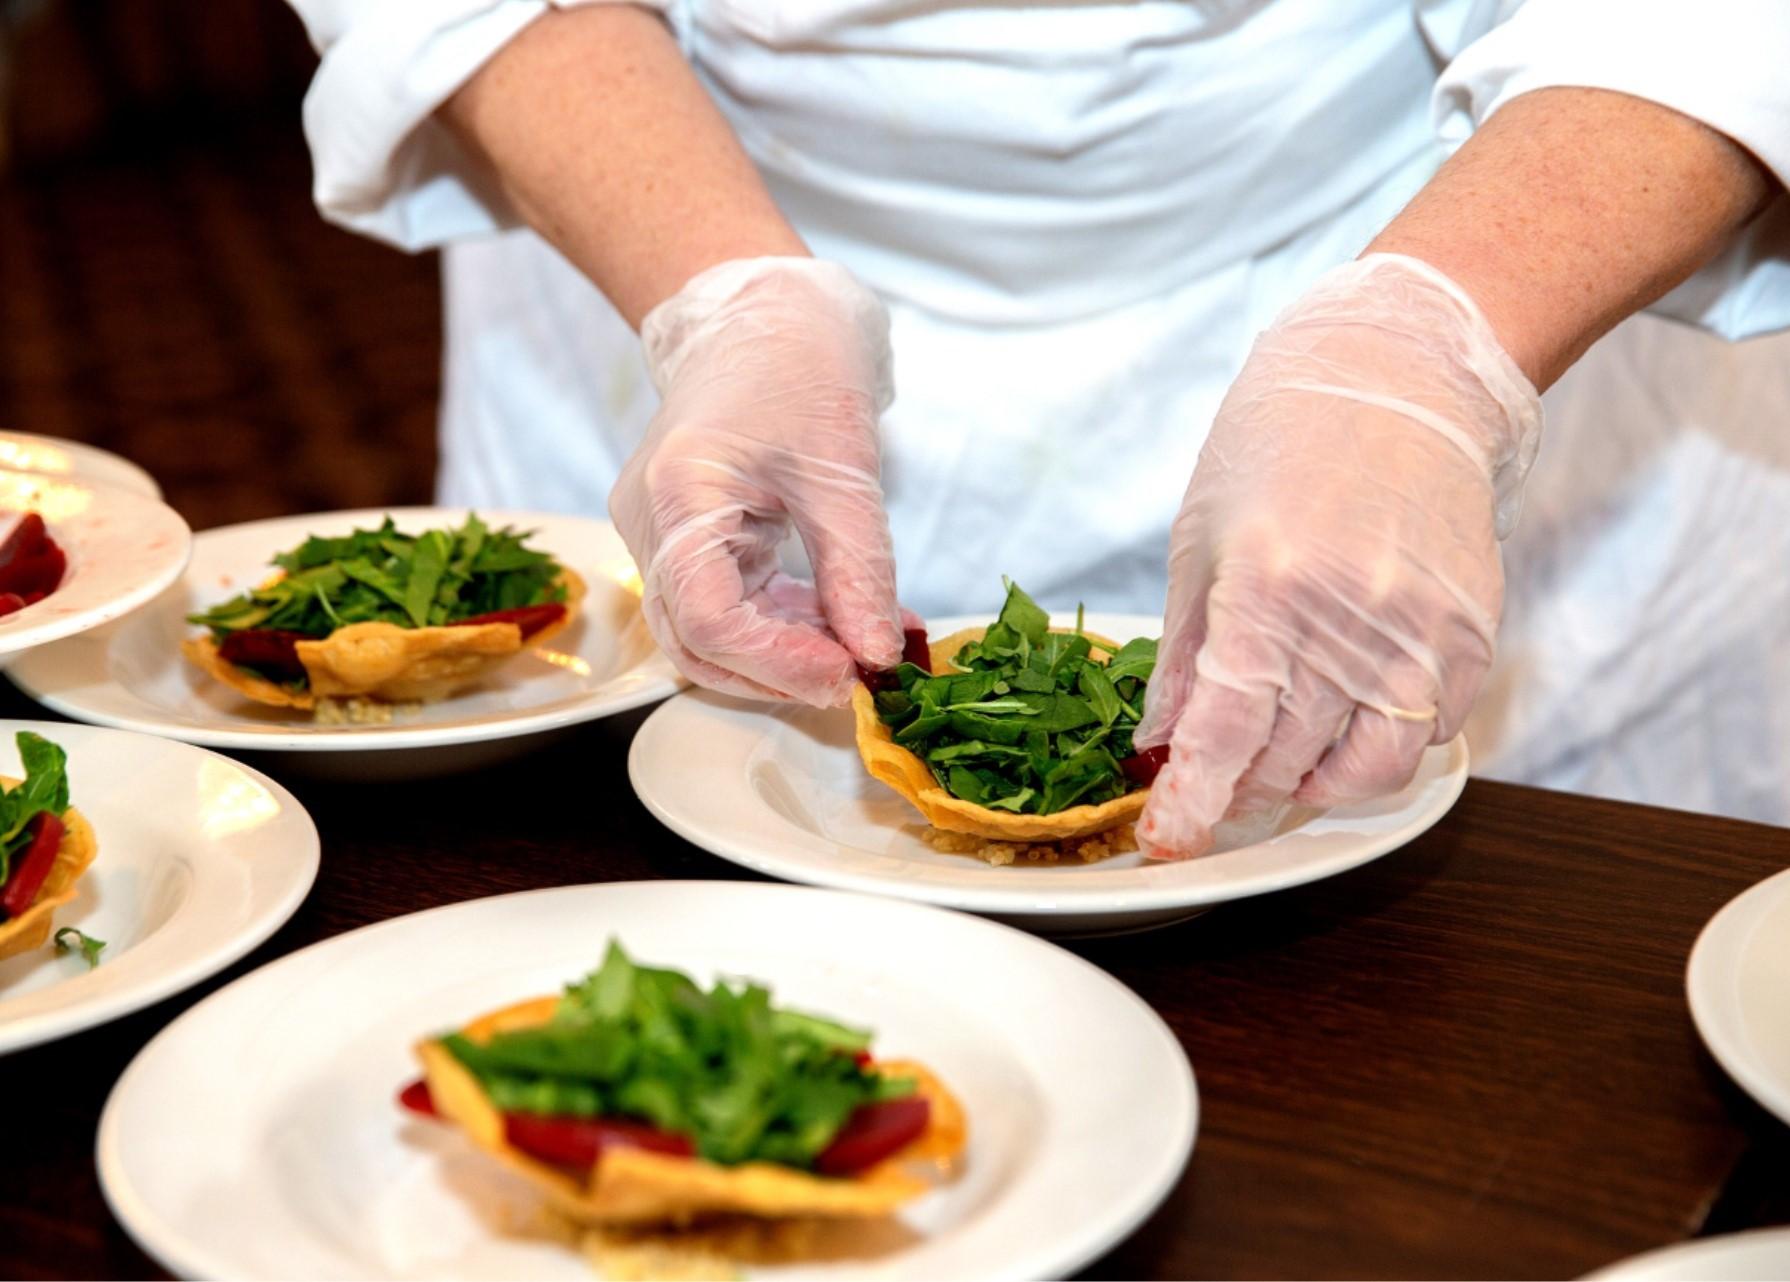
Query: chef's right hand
x,y
772,373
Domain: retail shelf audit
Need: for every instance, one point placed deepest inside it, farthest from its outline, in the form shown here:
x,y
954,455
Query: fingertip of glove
x,y
1168,843
1156,854
878,644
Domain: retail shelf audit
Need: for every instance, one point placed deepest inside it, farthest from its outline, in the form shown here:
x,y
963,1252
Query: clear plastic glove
x,y
1334,578
772,373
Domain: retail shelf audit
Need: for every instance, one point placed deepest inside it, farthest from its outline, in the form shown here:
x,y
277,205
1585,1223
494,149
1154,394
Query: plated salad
x,y
638,1098
1017,732
45,846
386,616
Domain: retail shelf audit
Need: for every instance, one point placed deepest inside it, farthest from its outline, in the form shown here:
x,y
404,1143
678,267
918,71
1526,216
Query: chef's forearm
x,y
1571,209
607,145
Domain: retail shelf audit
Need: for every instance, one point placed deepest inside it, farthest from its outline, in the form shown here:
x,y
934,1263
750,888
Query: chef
x,y
1242,303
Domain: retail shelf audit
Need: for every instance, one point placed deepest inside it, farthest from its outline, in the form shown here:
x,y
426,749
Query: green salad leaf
x,y
384,576
90,947
44,787
1026,720
745,1080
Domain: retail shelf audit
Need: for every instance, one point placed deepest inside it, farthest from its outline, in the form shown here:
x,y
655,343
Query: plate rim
x,y
16,641
1646,1264
143,481
658,679
166,1245
1702,995
1118,901
53,1025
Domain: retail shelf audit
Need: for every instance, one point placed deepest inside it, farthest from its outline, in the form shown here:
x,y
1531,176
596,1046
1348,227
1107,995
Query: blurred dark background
x,y
167,289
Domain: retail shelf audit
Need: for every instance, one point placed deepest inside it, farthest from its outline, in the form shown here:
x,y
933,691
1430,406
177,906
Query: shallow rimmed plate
x,y
257,1136
135,678
30,452
1737,981
123,549
782,790
1761,1255
200,859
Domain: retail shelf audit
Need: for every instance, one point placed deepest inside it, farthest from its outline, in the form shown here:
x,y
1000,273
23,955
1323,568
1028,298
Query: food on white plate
x,y
45,846
636,1101
1015,740
382,617
31,563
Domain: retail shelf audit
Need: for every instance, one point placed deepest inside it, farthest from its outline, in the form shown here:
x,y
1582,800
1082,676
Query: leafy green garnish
x,y
45,787
424,580
90,947
1026,720
746,1081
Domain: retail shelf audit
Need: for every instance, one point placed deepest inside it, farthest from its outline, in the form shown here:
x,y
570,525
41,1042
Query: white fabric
x,y
1080,215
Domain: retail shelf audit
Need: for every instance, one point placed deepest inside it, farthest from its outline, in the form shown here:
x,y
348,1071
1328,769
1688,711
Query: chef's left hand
x,y
1334,578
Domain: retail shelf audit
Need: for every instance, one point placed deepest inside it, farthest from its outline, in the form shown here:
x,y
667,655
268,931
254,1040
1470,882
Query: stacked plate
x,y
124,547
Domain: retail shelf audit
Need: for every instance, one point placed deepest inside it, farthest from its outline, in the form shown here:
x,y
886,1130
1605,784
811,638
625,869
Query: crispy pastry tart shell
x,y
31,928
386,662
910,776
633,1186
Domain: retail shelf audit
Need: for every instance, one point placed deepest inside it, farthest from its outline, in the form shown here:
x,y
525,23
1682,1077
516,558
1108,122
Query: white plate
x,y
136,679
783,791
200,859
1762,1255
1737,982
29,452
123,548
257,1136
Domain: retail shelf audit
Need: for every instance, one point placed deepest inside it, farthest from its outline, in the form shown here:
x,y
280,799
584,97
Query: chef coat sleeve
x,y
383,165
1718,61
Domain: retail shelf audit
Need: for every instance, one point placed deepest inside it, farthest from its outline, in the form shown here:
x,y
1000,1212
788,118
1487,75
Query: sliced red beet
x,y
10,602
581,1141
417,1099
41,574
564,1141
874,1132
31,565
273,651
1143,767
27,539
530,619
32,865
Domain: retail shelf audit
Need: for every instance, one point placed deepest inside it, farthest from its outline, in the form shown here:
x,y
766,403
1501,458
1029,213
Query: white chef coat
x,y
1079,215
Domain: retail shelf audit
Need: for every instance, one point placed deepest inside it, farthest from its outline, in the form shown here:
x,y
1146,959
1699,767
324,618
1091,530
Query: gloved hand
x,y
772,372
1334,569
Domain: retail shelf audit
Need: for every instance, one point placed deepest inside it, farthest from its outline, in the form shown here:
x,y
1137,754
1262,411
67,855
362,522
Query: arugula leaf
x,y
744,1079
1023,615
1136,658
386,576
44,787
1095,686
427,565
90,947
1027,720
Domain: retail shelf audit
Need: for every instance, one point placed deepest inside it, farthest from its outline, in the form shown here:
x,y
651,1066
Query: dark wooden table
x,y
1469,1059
